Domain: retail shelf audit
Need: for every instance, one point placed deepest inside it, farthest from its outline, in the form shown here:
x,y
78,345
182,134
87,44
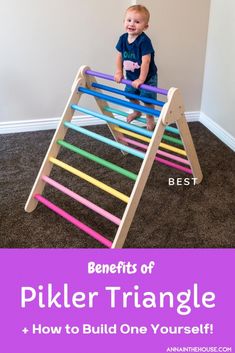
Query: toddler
x,y
136,56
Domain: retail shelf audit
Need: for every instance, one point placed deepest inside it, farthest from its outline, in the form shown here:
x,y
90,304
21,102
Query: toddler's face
x,y
135,23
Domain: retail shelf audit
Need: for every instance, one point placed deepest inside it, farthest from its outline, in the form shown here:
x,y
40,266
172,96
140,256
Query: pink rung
x,y
163,153
82,200
158,159
74,221
173,165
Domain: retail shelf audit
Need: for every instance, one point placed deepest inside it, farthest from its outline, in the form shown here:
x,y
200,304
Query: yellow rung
x,y
90,179
172,148
146,139
130,133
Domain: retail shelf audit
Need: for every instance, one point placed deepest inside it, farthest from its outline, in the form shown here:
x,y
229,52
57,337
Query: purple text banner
x,y
133,300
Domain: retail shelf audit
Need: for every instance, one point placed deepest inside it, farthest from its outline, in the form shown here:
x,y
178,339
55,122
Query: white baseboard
x,y
44,124
218,131
85,120
192,116
16,126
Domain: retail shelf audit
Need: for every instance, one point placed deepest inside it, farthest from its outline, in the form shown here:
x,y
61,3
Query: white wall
x,y
218,102
178,30
43,43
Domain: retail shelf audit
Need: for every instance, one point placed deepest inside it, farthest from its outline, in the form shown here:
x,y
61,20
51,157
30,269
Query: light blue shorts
x,y
143,92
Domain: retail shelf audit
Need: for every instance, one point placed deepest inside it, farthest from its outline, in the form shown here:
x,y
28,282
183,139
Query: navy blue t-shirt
x,y
132,55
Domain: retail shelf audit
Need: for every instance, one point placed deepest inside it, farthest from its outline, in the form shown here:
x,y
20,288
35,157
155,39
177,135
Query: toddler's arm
x,y
144,69
119,68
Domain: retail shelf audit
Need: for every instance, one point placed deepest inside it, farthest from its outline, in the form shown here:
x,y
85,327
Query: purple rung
x,y
127,82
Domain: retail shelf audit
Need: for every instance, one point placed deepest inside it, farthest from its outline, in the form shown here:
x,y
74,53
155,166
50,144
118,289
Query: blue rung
x,y
131,127
106,140
120,101
128,95
142,120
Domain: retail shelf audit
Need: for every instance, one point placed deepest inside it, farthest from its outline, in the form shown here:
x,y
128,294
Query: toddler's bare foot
x,y
133,116
150,123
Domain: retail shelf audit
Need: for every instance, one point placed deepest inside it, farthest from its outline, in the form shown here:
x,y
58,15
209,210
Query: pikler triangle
x,y
167,144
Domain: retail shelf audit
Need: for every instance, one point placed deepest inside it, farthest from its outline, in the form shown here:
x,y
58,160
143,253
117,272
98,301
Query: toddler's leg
x,y
150,122
135,113
150,119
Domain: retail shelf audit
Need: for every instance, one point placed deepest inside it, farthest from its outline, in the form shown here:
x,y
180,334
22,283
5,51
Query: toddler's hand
x,y
137,83
118,77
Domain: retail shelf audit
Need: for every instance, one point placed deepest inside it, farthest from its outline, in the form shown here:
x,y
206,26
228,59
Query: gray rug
x,y
200,216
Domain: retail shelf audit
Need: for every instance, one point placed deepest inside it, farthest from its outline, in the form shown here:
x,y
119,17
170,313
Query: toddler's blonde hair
x,y
141,9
